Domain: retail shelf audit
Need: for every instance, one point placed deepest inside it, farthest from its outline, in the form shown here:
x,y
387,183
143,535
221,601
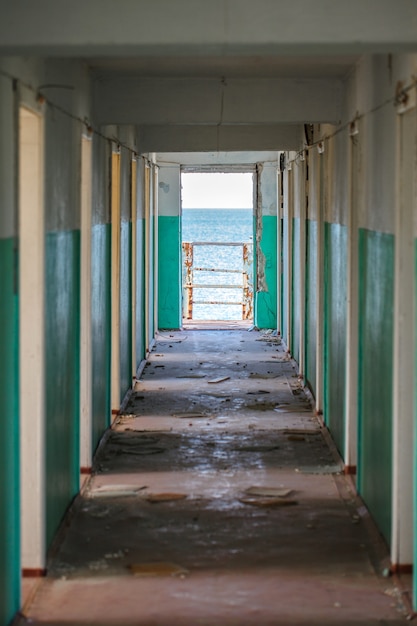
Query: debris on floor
x,y
233,523
267,502
220,379
115,491
274,492
164,497
159,568
189,414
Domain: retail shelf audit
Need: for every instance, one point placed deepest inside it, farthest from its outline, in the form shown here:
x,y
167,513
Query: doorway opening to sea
x,y
217,209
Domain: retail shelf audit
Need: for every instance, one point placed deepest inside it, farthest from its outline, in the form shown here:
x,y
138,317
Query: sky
x,y
217,190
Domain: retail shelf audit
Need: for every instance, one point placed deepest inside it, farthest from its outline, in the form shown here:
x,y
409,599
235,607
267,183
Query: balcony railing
x,y
195,277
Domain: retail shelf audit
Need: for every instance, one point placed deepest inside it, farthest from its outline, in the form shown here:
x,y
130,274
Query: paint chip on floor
x,y
115,491
164,497
220,379
268,492
189,414
159,568
192,376
267,502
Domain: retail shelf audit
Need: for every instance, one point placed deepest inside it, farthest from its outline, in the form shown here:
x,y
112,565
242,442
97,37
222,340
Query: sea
x,y
220,226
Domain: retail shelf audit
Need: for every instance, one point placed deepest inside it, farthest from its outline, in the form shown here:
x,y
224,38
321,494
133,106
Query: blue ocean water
x,y
217,225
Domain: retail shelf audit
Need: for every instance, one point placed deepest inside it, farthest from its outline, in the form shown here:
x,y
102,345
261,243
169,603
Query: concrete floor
x,y
166,532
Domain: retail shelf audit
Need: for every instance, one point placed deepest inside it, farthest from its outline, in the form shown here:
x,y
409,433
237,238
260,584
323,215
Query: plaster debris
x,y
115,491
122,419
159,568
263,376
165,497
115,555
321,469
301,408
267,502
255,449
301,431
99,565
269,492
261,406
218,380
189,414
192,376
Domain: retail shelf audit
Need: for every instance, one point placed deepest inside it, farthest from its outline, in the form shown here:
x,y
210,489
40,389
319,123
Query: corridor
x,y
218,498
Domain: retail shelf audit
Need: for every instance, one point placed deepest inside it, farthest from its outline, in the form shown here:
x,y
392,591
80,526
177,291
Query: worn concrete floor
x,y
166,532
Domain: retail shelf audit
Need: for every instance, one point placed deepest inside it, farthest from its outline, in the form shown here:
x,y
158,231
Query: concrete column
x,y
352,320
404,337
302,261
322,191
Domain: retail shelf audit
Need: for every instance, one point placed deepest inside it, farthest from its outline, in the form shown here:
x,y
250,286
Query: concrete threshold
x,y
216,499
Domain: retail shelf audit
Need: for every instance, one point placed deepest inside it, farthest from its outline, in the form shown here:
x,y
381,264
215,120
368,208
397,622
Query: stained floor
x,y
218,499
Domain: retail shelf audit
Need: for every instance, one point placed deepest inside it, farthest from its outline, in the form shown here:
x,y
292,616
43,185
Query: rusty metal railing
x,y
190,285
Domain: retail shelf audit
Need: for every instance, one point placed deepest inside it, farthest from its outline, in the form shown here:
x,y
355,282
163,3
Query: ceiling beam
x,y
219,138
132,100
224,27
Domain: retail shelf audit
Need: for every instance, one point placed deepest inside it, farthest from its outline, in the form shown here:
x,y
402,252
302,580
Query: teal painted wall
x,y
169,272
295,290
100,328
9,441
311,304
335,318
266,302
62,338
376,297
125,307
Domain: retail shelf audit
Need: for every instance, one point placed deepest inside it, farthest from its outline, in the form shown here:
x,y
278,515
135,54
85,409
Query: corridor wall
x,y
62,311
311,260
353,289
51,438
126,296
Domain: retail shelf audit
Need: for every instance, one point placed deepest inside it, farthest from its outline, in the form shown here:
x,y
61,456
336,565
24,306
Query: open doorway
x,y
217,244
31,344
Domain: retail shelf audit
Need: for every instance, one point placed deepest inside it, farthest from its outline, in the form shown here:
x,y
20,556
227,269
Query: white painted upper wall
x,y
370,93
131,27
169,191
269,188
8,219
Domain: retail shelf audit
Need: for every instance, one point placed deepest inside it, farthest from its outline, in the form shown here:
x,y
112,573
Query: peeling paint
x,y
261,284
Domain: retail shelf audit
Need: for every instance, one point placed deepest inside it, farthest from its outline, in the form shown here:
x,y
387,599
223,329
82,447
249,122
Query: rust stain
x,y
261,284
